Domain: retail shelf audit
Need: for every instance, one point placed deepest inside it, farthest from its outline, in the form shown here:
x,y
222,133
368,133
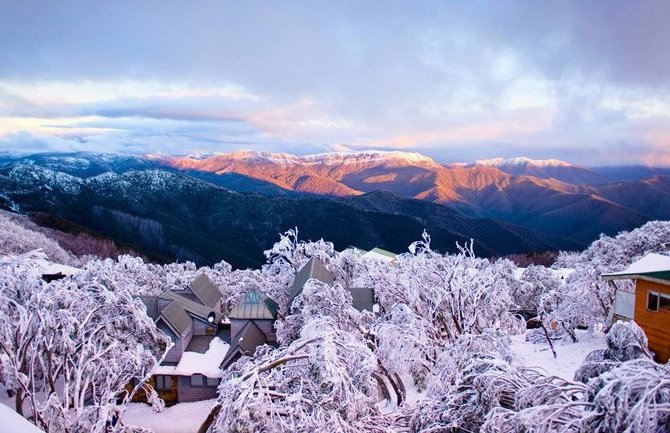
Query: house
x,y
648,303
251,325
380,254
252,320
193,320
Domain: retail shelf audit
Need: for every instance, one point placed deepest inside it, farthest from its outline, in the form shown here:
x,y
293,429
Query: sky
x,y
583,81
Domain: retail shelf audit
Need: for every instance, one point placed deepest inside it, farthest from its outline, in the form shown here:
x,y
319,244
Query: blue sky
x,y
588,82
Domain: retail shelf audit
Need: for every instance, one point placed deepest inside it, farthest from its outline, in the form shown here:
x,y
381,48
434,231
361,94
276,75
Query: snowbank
x,y
180,418
12,422
569,355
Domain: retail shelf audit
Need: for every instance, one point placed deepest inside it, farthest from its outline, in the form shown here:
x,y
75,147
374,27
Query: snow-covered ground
x,y
180,418
12,422
569,355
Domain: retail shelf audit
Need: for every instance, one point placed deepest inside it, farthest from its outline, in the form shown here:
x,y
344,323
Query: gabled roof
x,y
206,292
312,269
245,342
363,298
652,267
193,308
176,318
151,303
254,305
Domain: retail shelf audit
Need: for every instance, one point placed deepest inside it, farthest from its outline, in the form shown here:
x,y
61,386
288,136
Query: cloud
x,y
501,79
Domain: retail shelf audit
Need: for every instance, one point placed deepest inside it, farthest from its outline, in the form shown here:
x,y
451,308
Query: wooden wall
x,y
202,328
655,324
267,326
194,393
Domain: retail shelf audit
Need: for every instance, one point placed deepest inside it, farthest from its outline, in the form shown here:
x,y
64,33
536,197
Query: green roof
x,y
661,275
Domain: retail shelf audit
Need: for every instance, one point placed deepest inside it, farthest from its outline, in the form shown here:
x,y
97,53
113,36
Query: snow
x,y
562,273
202,363
50,268
650,263
329,158
522,161
180,418
43,266
569,355
12,422
374,255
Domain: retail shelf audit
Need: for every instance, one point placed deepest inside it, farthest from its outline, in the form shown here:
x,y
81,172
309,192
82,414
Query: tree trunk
x,y
19,401
210,419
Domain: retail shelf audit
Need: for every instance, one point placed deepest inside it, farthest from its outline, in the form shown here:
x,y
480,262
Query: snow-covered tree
x,y
70,348
16,239
588,300
323,381
625,341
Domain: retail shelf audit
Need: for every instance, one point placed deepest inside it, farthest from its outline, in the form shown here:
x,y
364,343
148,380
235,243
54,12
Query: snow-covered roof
x,y
50,268
380,254
37,260
652,262
198,363
13,422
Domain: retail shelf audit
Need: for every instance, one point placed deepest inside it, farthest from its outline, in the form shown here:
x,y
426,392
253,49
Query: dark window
x,y
212,381
163,383
664,302
197,380
652,301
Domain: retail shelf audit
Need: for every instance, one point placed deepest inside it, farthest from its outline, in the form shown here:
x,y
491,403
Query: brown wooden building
x,y
648,304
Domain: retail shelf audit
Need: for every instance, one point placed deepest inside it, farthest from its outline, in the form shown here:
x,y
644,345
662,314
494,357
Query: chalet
x,y
251,325
648,302
252,320
193,320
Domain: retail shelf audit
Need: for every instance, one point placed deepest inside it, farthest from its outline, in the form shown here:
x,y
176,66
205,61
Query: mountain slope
x,y
543,169
176,216
552,197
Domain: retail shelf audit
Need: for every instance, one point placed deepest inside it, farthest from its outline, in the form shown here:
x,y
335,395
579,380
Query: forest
x,y
70,348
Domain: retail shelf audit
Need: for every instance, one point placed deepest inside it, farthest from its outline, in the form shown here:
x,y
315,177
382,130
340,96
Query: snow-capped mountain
x,y
522,161
543,169
521,192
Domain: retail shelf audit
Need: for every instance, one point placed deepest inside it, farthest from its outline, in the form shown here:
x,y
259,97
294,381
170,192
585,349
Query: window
x,y
163,383
664,302
212,381
658,301
197,380
252,297
652,301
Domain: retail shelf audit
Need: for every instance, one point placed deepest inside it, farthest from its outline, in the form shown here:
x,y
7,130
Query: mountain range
x,y
550,196
232,206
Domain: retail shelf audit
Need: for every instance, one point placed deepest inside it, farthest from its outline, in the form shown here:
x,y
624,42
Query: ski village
x,y
320,340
